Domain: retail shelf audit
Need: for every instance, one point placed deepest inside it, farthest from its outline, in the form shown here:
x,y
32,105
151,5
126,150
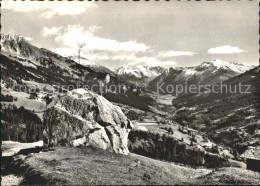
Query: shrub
x,y
33,95
132,115
7,98
170,130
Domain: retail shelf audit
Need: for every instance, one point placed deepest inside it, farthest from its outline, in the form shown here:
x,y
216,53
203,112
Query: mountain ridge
x,y
140,72
207,73
40,65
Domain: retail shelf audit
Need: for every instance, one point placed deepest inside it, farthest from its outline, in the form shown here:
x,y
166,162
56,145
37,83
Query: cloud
x,y
131,59
75,34
168,63
158,63
170,53
49,8
65,51
127,57
103,50
28,38
51,31
134,60
225,50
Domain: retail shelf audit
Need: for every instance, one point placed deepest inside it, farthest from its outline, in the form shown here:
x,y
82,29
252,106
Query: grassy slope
x,y
67,165
230,175
23,100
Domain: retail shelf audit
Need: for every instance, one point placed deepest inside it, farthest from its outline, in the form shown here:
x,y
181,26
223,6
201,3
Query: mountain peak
x,y
84,61
16,45
13,37
140,71
219,64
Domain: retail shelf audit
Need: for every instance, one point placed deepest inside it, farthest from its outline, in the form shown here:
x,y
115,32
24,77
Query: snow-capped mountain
x,y
207,73
84,61
90,64
139,73
219,64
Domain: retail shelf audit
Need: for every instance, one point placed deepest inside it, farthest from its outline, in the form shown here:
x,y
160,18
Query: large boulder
x,y
81,117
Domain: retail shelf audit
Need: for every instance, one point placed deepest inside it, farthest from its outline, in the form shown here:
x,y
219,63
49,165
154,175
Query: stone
x,y
83,118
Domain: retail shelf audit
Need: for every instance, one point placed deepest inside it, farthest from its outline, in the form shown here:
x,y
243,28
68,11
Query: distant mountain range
x,y
207,73
140,73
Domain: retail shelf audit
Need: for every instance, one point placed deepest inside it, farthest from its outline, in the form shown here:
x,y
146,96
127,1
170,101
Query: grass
x,y
67,165
230,175
23,100
86,166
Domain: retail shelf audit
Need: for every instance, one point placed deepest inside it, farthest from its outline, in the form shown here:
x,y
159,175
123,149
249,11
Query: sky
x,y
115,34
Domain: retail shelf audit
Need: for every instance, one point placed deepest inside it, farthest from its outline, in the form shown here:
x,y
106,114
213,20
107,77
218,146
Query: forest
x,y
20,124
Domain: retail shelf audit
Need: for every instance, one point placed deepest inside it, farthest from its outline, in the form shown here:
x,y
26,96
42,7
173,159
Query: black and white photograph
x,y
130,92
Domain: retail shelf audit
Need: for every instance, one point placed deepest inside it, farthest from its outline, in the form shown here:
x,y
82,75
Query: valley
x,y
140,135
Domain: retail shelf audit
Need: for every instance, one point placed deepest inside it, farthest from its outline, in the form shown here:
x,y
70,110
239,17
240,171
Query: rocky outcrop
x,y
164,147
82,117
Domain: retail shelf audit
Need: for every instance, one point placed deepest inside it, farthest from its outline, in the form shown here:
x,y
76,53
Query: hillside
x,y
44,66
24,65
91,64
64,165
229,118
